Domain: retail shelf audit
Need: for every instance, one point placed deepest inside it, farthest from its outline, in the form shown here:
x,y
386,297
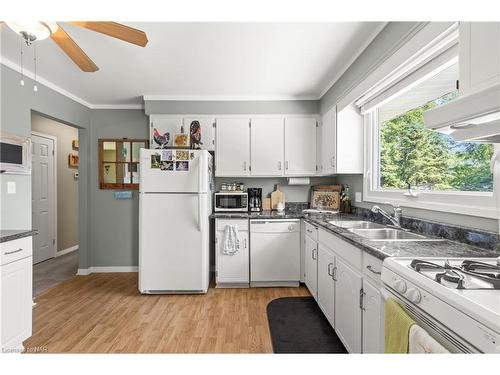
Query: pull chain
x,y
35,87
22,68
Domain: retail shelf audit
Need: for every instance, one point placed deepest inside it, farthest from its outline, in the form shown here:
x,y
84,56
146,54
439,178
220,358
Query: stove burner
x,y
471,265
451,276
419,265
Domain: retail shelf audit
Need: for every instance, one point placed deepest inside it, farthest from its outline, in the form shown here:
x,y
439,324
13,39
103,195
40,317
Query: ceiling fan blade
x,y
74,52
115,30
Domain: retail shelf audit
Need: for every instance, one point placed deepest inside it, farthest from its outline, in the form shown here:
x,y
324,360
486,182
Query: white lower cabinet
x,y
16,285
232,270
347,306
372,318
326,283
311,265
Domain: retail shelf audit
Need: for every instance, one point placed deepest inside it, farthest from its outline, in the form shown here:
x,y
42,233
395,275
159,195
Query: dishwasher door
x,y
275,252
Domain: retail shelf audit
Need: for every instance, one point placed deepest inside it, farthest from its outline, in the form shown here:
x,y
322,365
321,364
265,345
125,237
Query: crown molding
x,y
232,98
27,73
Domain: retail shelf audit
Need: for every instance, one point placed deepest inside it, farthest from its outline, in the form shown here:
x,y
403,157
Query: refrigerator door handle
x,y
200,209
200,172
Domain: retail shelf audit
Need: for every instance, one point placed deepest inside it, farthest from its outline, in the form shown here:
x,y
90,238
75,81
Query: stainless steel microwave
x,y
15,154
231,201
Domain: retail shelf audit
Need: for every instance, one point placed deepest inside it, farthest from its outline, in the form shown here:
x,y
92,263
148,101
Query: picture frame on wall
x,y
325,197
75,144
73,160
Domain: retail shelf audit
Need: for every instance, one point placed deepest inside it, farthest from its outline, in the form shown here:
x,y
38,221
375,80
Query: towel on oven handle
x,y
421,342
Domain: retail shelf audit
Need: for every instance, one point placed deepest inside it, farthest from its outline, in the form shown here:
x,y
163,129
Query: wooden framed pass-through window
x,y
119,163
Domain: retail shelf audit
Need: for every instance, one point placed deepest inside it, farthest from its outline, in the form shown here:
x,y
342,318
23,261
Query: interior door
x,y
267,147
300,146
326,285
43,198
347,309
232,152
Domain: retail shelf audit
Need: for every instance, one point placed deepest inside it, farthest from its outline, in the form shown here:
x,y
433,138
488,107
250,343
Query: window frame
x,y
482,204
117,186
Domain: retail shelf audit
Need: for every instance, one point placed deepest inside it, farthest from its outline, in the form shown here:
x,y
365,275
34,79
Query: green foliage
x,y
410,153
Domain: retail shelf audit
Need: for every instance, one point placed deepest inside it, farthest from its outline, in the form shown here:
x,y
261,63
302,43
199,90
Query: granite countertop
x,y
14,234
434,247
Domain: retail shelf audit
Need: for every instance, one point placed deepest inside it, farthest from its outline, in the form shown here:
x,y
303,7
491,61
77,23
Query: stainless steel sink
x,y
389,234
355,224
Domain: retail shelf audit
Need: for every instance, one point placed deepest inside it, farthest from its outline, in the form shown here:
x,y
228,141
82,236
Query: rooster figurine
x,y
195,132
161,140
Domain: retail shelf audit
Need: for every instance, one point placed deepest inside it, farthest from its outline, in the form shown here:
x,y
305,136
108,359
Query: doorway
x,y
54,201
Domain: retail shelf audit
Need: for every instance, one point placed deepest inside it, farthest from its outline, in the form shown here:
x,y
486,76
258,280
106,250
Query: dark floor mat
x,y
298,325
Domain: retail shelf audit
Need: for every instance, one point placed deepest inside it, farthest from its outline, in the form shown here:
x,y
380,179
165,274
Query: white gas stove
x,y
457,300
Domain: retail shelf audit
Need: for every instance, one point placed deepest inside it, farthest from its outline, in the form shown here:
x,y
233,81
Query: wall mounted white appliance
x,y
15,154
175,195
456,300
274,252
231,201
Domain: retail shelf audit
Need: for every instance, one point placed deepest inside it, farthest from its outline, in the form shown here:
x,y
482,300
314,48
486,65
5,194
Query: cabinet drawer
x,y
311,231
345,250
242,224
16,249
372,267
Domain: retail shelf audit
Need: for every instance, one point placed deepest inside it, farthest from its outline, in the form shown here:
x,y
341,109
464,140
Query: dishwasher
x,y
274,252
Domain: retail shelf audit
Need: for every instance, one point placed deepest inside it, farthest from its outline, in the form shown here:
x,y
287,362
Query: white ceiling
x,y
183,61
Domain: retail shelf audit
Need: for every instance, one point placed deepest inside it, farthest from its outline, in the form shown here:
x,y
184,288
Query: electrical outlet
x,y
11,187
358,197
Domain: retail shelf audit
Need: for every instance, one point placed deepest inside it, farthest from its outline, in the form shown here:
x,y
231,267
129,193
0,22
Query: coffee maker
x,y
254,199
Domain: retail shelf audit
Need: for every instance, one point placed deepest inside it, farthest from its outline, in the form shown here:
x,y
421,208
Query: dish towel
x,y
397,327
231,243
423,343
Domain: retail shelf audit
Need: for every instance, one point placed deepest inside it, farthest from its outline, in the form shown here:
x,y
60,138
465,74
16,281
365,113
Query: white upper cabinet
x,y
232,155
349,141
207,130
300,146
479,56
327,142
267,146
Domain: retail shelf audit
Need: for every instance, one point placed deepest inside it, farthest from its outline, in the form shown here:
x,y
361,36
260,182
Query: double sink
x,y
377,232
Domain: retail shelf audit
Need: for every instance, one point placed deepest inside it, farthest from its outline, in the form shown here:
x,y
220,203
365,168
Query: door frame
x,y
54,203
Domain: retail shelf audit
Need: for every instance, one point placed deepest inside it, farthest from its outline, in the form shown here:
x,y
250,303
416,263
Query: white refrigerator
x,y
175,201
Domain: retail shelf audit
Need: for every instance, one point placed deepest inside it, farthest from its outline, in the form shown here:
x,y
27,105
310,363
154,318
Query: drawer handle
x,y
334,274
13,252
313,253
369,268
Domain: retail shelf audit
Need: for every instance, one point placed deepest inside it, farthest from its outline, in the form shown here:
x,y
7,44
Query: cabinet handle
x,y
245,243
330,273
244,165
279,166
361,298
286,165
313,253
13,252
334,274
309,231
333,161
369,268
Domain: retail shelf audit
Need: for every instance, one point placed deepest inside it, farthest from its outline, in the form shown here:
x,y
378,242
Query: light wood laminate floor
x,y
105,313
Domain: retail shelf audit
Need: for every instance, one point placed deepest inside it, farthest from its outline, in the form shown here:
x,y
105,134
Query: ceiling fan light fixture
x,y
33,30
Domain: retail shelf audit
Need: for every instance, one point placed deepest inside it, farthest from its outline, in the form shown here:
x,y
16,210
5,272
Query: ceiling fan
x,y
32,31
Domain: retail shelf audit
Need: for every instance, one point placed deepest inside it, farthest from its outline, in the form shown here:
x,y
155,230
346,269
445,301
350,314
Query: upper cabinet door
x,y
349,136
479,55
232,147
300,146
267,146
163,130
201,130
328,142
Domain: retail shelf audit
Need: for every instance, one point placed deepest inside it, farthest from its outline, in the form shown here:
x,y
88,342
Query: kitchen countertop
x,y
380,249
14,234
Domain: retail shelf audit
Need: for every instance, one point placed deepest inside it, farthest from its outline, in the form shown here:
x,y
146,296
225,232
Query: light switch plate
x,y
11,187
358,197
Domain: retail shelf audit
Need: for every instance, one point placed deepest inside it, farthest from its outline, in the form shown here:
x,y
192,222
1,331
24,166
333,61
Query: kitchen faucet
x,y
395,218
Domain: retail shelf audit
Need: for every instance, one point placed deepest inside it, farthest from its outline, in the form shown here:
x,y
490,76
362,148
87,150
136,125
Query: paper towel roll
x,y
299,180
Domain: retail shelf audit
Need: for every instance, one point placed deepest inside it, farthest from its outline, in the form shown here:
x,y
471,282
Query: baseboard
x,y
66,251
111,269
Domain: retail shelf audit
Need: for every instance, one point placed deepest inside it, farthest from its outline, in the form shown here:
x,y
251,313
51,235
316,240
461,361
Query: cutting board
x,y
276,197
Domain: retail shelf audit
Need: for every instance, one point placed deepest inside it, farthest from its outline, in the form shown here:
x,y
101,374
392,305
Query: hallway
x,y
54,271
